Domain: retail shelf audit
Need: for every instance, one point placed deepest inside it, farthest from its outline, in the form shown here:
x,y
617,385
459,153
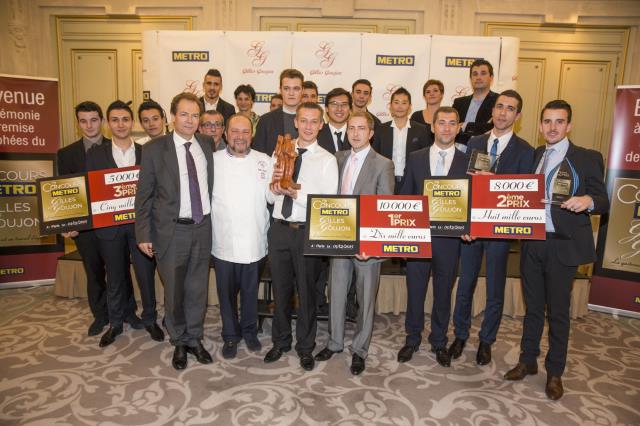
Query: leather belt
x,y
188,220
294,225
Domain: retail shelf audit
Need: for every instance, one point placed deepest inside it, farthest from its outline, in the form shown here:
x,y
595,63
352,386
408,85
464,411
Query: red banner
x,y
508,206
113,194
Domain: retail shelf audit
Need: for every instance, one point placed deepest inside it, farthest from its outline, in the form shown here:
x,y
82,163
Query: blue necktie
x,y
194,187
494,152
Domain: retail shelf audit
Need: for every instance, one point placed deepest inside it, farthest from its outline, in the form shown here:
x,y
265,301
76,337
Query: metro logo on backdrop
x,y
396,60
190,56
458,62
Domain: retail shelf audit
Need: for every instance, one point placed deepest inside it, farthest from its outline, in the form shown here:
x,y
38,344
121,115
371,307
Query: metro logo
x,y
65,191
8,189
396,60
458,62
447,192
190,56
11,271
121,217
400,248
512,230
334,212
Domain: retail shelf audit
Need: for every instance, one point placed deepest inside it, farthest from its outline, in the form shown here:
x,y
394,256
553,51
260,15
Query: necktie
x,y
494,152
348,174
194,187
546,169
338,139
287,203
440,164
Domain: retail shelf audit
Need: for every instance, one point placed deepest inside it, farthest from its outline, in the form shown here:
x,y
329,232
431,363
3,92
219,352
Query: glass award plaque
x,y
479,162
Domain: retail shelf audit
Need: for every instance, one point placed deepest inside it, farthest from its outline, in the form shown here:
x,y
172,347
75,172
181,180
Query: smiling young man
x,y
548,266
333,136
152,120
509,155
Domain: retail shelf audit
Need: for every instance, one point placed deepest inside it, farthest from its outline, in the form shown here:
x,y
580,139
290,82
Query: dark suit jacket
x,y
72,158
417,138
158,193
270,126
574,229
419,168
482,123
325,139
223,107
516,158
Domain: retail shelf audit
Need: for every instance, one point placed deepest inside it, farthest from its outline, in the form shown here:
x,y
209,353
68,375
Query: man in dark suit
x,y
361,92
173,223
118,243
399,137
280,121
361,171
72,159
333,136
211,100
475,109
440,159
548,266
509,155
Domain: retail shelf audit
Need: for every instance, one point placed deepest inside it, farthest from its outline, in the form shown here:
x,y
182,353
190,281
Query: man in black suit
x,y
475,109
509,155
548,266
440,159
333,136
72,159
211,100
118,243
173,223
361,92
280,121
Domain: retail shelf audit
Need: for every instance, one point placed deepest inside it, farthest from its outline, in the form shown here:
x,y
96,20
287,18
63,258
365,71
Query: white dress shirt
x,y
318,175
434,156
503,141
201,169
239,214
210,107
361,156
399,155
126,158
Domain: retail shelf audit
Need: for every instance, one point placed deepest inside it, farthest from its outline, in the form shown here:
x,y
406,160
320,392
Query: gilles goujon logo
x,y
190,56
257,53
326,54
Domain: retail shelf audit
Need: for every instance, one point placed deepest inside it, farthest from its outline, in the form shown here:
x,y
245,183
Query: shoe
x,y
155,332
200,353
97,326
442,356
110,336
179,360
406,353
455,350
307,362
554,389
357,364
253,344
521,370
325,354
323,310
483,357
229,350
135,322
275,353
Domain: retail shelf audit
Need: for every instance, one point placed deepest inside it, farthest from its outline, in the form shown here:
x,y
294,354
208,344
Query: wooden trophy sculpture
x,y
285,154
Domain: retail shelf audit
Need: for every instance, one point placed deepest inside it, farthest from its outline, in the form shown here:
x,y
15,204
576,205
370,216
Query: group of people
x,y
204,192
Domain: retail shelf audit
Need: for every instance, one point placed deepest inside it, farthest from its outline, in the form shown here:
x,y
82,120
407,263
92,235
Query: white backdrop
x,y
176,61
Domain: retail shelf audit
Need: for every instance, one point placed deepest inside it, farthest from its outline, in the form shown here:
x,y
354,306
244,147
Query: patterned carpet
x,y
51,373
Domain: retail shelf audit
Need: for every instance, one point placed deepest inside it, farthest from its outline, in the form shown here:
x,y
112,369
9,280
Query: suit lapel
x,y
138,153
170,158
456,163
208,155
365,171
538,156
111,162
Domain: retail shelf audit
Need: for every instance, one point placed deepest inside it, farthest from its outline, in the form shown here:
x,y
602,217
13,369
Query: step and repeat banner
x,y
176,61
29,139
615,284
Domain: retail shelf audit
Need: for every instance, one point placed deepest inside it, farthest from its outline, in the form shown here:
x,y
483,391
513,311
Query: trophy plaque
x,y
285,154
563,185
479,162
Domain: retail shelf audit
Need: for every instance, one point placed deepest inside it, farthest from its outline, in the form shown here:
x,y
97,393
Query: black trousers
x,y
93,263
546,283
289,271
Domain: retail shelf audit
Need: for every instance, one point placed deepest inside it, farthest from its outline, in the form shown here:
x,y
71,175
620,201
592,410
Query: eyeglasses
x,y
338,105
212,125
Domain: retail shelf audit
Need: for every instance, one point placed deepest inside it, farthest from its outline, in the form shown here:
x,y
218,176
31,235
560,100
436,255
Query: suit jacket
x,y
223,107
158,194
516,158
73,159
482,123
419,168
417,138
270,126
325,139
574,229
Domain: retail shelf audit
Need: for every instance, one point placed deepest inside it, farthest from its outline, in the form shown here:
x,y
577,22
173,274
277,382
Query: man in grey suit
x,y
361,171
173,222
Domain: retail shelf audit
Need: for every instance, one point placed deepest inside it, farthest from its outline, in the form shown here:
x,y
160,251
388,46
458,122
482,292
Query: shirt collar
x,y
502,140
560,147
393,124
436,149
311,148
179,140
334,130
361,155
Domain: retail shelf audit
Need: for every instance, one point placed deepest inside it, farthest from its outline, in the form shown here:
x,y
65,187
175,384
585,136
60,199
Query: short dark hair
x,y
479,63
184,96
557,104
211,112
446,110
291,73
247,89
334,93
310,105
401,91
150,104
361,81
433,82
89,106
510,93
213,73
310,85
366,115
276,96
118,104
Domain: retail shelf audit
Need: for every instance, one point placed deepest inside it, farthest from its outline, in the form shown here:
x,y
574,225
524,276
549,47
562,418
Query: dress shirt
x,y
474,107
239,214
318,175
343,136
361,156
503,141
125,158
559,152
434,156
201,168
210,107
399,155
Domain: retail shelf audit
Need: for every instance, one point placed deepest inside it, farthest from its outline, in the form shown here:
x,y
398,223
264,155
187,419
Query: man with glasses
x,y
333,136
212,124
